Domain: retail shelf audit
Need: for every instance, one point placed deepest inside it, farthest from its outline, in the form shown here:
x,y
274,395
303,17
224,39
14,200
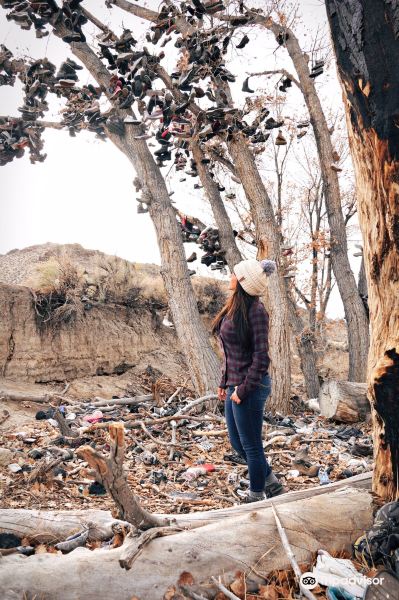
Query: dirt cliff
x,y
108,340
118,327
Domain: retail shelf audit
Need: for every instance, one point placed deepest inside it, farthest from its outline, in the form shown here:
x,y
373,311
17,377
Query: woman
x,y
242,326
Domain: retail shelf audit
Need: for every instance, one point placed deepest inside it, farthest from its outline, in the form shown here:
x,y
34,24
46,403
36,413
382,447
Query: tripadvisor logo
x,y
308,581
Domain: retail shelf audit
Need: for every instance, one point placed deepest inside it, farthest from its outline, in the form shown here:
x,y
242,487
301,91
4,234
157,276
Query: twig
x,y
63,425
291,557
191,594
74,541
172,448
191,405
224,589
157,440
122,401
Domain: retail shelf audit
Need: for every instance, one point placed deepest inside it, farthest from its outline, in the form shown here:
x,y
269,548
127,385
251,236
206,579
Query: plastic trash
x,y
195,472
340,573
339,593
323,476
95,417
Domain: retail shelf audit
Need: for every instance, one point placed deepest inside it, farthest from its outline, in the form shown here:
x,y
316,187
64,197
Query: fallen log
x,y
330,521
47,526
344,401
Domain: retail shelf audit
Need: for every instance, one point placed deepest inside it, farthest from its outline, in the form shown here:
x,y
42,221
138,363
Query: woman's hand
x,y
234,397
221,394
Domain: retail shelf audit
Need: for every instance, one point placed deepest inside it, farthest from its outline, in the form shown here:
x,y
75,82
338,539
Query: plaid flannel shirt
x,y
243,368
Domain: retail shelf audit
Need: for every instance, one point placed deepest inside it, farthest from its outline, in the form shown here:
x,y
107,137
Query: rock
x,y
6,456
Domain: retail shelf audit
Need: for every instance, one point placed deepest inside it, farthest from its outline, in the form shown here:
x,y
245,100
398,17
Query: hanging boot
x,y
280,139
246,88
243,43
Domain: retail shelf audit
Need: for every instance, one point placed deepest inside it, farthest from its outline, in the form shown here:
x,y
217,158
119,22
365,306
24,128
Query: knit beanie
x,y
252,274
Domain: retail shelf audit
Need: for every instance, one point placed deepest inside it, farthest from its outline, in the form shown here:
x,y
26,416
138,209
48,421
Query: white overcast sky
x,y
83,192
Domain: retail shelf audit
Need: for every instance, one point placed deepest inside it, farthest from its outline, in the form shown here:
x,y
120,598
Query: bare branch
x,y
46,124
137,11
277,71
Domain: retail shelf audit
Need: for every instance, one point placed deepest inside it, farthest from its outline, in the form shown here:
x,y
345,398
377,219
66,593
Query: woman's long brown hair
x,y
236,309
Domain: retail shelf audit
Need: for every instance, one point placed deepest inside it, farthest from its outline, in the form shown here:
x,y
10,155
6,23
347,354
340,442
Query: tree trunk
x,y
362,280
356,319
344,401
226,235
201,360
203,552
276,300
305,343
365,36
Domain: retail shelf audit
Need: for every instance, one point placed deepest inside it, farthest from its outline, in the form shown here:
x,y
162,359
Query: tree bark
x,y
204,552
356,318
226,235
305,343
276,300
344,401
365,36
201,360
362,280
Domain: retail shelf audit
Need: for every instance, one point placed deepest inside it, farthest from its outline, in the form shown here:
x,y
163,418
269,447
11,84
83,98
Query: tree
x,y
355,314
267,232
66,23
365,37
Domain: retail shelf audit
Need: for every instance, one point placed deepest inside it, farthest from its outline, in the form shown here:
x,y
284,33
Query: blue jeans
x,y
244,424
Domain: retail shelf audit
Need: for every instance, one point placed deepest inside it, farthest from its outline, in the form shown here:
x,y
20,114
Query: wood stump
x,y
344,401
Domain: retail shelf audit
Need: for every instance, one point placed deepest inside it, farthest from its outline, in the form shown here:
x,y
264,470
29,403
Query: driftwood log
x,y
55,526
330,521
344,401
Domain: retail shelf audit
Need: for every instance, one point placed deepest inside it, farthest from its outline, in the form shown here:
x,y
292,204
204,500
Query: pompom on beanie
x,y
252,275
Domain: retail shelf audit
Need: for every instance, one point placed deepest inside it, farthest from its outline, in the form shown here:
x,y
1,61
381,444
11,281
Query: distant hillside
x,y
18,266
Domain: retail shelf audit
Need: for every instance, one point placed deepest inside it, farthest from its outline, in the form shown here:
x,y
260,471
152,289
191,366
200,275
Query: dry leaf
x,y
238,586
186,578
41,549
268,592
118,540
170,592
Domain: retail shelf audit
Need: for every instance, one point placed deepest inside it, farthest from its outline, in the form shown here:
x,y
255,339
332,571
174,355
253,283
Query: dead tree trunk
x,y
305,343
194,340
365,36
356,319
226,235
268,242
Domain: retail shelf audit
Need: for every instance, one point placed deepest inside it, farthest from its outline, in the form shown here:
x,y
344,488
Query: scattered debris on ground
x,y
165,440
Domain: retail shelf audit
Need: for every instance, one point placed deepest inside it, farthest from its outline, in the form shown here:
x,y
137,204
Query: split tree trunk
x,y
226,235
204,552
344,401
365,36
194,341
355,314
